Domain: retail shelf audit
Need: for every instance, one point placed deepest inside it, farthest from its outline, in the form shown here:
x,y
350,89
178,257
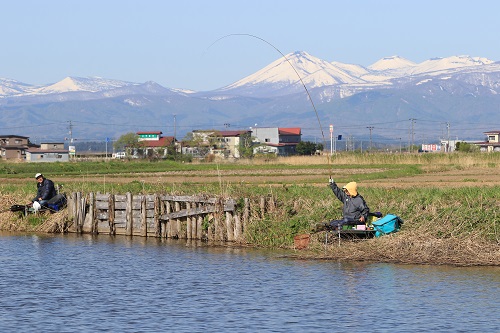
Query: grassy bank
x,y
443,225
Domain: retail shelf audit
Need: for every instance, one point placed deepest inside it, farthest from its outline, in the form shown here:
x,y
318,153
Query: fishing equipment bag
x,y
387,225
57,202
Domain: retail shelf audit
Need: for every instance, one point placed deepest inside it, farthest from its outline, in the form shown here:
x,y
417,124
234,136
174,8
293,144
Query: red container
x,y
301,241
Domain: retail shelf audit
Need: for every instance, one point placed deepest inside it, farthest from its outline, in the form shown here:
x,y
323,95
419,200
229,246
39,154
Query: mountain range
x,y
394,98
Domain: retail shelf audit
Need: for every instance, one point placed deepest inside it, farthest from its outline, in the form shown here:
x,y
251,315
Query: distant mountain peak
x,y
295,67
393,62
82,84
450,63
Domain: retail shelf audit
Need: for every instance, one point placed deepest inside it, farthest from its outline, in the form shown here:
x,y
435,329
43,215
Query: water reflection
x,y
68,283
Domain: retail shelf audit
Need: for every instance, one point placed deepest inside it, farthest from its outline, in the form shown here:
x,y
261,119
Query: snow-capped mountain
x,y
440,65
286,75
9,87
457,88
14,88
90,84
293,70
391,63
283,76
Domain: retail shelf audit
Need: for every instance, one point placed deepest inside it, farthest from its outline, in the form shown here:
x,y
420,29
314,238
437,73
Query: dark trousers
x,y
335,224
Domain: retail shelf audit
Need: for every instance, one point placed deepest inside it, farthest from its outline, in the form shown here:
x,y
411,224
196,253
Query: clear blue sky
x,y
169,42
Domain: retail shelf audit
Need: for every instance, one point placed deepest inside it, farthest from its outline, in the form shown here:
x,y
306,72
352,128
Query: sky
x,y
197,44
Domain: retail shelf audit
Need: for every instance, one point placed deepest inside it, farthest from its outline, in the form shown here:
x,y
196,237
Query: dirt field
x,y
453,178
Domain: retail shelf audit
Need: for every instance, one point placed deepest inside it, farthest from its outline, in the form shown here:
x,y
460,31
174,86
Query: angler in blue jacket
x,y
354,210
45,190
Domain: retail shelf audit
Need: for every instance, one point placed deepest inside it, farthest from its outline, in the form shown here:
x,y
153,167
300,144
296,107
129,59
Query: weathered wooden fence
x,y
167,216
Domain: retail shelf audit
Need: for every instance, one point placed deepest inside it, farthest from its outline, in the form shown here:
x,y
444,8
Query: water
x,y
70,283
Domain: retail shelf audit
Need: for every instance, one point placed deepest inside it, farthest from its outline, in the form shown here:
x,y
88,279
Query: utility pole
x,y
448,145
70,132
412,133
71,149
175,126
331,140
370,128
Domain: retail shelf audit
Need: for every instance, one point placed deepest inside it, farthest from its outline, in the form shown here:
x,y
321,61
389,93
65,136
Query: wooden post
x,y
229,227
72,211
129,216
144,217
93,211
168,223
78,214
157,216
177,222
238,232
89,222
188,222
218,235
194,224
199,227
211,228
111,215
81,212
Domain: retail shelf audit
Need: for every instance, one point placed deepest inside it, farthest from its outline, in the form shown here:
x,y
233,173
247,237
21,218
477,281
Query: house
x,y
233,141
277,140
14,146
152,144
225,144
492,143
48,152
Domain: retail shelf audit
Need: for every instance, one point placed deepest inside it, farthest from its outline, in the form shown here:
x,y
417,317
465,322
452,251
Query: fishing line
x,y
296,72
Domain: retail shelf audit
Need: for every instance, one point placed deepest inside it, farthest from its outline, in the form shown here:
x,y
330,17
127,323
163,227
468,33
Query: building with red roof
x,y
152,144
281,141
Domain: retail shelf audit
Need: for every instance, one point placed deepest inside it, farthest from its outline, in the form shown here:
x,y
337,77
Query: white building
x,y
48,152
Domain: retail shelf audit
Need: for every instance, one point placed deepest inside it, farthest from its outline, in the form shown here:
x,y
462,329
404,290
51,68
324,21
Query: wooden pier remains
x,y
166,216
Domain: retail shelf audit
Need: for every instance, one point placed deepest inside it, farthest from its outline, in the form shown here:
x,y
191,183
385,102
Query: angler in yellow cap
x,y
354,210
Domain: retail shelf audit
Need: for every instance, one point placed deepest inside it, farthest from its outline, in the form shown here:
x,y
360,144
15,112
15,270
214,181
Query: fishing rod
x,y
296,72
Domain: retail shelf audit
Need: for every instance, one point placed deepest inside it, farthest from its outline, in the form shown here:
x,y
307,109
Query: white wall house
x,y
224,144
48,152
276,140
492,143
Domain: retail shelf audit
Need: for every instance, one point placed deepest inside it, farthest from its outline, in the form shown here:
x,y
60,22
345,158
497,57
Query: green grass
x,y
439,213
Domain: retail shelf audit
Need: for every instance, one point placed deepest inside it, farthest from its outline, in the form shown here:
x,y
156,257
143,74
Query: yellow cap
x,y
352,188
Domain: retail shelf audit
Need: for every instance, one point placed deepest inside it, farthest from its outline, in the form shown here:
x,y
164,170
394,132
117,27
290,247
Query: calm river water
x,y
70,283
